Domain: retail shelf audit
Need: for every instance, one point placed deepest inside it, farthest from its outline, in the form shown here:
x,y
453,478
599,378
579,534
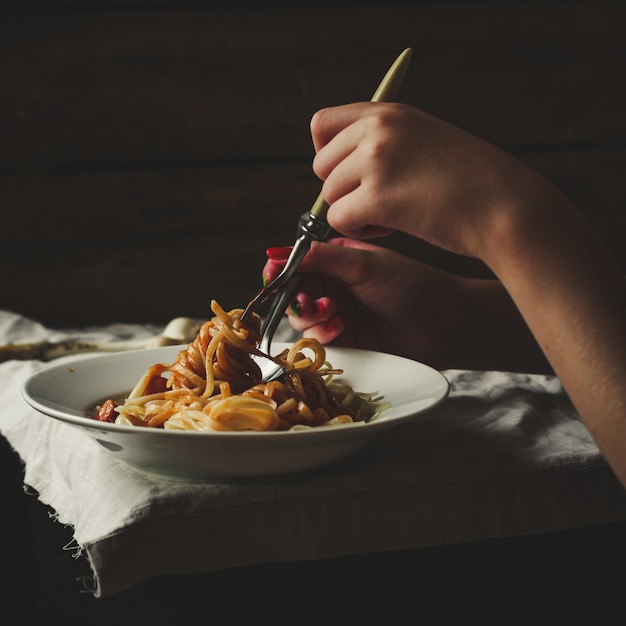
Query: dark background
x,y
151,151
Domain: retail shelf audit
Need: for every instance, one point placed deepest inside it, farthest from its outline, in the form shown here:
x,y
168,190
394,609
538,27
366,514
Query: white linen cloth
x,y
505,455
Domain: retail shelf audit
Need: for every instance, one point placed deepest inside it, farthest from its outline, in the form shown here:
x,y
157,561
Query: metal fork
x,y
312,227
287,288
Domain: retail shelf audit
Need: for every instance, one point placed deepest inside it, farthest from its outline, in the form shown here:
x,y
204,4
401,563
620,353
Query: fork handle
x,y
319,208
385,92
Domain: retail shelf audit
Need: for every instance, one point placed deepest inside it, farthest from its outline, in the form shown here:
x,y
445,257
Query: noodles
x,y
216,385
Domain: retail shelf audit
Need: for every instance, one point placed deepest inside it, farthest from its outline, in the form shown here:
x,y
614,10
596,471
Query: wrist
x,y
527,230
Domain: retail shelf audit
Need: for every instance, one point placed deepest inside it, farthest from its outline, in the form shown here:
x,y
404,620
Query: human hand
x,y
392,167
356,294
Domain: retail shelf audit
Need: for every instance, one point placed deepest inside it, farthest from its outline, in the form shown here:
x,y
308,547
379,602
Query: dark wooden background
x,y
151,151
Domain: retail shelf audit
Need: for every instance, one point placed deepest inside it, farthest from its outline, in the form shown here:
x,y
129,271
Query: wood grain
x,y
150,153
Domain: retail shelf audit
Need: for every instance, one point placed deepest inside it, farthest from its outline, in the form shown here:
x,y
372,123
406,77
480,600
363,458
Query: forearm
x,y
573,298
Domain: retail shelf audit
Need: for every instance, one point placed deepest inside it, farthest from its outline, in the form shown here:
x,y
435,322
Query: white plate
x,y
70,390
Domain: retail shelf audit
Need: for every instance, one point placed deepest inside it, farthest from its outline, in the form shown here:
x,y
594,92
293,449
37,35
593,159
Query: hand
x,y
356,294
392,167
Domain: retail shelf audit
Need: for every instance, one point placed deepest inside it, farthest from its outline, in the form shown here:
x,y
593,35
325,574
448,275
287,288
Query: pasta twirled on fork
x,y
215,384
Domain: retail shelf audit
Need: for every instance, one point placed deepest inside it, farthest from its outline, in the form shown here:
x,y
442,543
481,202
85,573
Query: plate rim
x,y
88,423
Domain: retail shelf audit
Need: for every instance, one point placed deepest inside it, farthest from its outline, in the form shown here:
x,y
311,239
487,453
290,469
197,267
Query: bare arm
x,y
573,298
389,167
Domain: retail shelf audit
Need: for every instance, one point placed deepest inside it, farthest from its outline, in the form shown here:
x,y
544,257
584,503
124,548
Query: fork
x,y
282,298
312,227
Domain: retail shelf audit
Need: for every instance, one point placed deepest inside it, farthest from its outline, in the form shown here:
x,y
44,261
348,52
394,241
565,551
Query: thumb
x,y
348,260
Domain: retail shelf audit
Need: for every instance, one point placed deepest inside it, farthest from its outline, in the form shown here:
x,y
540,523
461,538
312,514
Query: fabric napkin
x,y
505,455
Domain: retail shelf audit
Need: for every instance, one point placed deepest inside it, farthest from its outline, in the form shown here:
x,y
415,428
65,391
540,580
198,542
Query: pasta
x,y
215,384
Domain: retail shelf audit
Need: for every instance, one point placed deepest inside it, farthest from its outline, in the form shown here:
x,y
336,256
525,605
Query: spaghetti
x,y
215,384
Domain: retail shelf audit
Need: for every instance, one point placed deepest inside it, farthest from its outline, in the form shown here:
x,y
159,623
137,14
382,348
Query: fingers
x,y
276,258
315,318
306,311
327,123
335,162
337,133
342,259
349,141
312,312
344,219
327,331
